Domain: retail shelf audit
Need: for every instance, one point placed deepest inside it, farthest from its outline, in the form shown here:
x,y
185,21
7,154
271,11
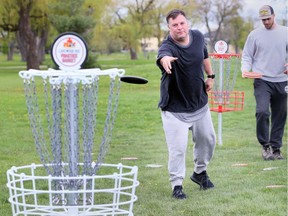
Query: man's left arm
x,y
210,75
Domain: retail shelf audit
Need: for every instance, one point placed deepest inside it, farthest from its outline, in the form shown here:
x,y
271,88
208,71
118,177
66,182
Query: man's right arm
x,y
166,63
247,56
164,58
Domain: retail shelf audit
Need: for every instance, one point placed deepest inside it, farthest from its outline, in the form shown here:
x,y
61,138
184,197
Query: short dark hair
x,y
174,13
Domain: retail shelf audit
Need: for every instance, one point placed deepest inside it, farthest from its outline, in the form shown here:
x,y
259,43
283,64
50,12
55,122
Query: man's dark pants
x,y
270,97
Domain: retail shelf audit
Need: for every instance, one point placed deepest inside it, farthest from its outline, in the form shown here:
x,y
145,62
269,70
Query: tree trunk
x,y
133,54
41,45
236,48
10,50
21,47
28,37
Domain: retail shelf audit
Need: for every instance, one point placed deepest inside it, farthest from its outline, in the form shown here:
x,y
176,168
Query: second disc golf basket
x,y
223,98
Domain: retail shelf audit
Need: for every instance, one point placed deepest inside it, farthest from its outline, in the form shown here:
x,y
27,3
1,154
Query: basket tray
x,y
34,193
226,101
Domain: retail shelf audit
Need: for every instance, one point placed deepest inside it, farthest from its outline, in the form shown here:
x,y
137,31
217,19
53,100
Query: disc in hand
x,y
252,75
133,79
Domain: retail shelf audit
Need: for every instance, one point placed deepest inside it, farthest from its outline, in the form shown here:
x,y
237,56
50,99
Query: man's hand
x,y
251,75
209,84
244,73
166,63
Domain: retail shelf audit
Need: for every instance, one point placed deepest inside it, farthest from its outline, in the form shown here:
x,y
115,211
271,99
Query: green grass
x,y
138,133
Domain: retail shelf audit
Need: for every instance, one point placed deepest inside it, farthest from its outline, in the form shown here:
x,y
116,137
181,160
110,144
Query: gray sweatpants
x,y
176,133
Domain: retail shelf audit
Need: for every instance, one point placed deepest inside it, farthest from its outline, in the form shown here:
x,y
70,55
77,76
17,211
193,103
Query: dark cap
x,y
265,12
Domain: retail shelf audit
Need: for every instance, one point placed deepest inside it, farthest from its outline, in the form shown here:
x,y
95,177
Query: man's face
x,y
178,28
268,23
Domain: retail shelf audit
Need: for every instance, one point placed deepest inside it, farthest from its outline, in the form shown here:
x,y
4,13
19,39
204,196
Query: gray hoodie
x,y
266,51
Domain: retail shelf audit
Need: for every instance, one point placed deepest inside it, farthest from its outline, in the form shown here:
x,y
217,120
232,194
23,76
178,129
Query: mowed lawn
x,y
244,183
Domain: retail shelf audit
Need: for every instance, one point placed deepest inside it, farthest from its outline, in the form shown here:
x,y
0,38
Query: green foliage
x,y
69,15
9,15
135,25
39,19
64,23
74,16
4,47
91,61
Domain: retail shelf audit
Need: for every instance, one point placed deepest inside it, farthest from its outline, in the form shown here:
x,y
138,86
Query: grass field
x,y
239,190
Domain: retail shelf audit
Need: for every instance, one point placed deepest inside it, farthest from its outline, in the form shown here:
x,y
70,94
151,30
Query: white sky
x,y
251,7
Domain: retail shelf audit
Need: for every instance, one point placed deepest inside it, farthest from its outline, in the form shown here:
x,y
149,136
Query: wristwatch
x,y
212,76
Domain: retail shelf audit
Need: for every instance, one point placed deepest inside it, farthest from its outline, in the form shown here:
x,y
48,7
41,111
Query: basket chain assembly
x,y
68,132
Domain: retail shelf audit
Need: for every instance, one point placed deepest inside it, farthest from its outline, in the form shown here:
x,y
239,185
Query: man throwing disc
x,y
184,101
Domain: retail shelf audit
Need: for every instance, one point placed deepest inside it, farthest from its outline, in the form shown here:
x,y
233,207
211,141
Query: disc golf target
x,y
223,98
72,126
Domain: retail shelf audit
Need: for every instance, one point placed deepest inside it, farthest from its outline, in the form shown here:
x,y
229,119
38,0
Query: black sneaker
x,y
277,154
178,193
267,154
203,180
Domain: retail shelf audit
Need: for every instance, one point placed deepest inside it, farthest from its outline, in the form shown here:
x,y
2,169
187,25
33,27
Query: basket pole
x,y
220,103
73,152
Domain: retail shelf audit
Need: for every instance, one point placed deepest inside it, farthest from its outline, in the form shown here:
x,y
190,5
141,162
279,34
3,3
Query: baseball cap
x,y
265,12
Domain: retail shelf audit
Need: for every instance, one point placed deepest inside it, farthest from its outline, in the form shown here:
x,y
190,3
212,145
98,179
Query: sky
x,y
251,7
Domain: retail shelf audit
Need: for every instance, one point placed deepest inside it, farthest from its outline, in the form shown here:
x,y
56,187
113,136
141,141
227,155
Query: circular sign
x,y
69,51
221,47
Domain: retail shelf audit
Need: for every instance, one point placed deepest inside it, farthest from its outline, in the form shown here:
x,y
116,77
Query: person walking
x,y
181,58
265,53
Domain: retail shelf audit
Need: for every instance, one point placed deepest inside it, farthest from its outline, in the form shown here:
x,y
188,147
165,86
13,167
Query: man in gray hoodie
x,y
265,52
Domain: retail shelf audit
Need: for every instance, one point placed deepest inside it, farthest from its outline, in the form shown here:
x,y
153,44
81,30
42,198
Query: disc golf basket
x,y
223,98
72,126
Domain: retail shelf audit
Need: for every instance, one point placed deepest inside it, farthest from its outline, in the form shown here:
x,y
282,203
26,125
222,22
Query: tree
x,y
70,15
24,21
8,26
33,30
135,24
217,15
238,31
160,11
75,16
127,24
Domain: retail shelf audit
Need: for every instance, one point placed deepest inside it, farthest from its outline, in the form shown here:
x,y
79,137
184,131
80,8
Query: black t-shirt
x,y
183,90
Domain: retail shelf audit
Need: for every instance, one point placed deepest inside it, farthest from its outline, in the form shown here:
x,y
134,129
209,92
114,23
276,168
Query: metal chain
x,y
228,82
216,86
59,143
55,145
90,100
228,70
235,63
55,128
109,123
35,122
